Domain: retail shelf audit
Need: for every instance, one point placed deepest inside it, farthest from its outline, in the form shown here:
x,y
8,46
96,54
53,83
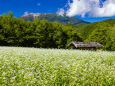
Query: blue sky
x,y
18,7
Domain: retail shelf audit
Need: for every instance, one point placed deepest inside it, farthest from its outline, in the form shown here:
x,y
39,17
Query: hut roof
x,y
86,44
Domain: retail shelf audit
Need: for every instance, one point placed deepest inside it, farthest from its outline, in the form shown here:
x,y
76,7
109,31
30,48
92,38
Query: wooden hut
x,y
86,45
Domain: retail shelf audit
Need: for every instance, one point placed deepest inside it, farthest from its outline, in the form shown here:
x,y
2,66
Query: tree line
x,y
39,33
45,34
102,32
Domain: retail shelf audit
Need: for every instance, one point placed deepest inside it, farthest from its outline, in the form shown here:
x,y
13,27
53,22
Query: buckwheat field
x,y
56,67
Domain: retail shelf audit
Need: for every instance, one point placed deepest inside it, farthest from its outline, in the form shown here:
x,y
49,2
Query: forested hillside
x,y
45,34
102,32
39,33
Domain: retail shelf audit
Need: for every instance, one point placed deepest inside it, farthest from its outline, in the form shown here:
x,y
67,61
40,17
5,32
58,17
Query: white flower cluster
x,y
55,67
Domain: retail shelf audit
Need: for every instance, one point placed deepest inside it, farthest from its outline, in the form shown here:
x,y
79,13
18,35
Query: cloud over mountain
x,y
92,8
61,12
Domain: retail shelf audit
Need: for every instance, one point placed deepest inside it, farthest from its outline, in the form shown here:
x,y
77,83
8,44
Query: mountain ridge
x,y
52,17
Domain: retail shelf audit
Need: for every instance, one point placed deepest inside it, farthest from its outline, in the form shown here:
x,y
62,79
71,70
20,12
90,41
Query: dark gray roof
x,y
86,44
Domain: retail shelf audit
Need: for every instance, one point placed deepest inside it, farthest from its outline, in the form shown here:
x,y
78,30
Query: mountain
x,y
52,17
44,34
86,29
102,32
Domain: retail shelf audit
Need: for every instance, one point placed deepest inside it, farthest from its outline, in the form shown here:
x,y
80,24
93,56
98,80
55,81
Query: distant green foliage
x,y
102,32
39,33
45,34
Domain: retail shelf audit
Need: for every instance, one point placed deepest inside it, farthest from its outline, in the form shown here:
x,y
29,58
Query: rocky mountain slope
x,y
52,17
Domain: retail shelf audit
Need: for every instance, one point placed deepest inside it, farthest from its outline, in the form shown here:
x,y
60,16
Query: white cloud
x,y
67,4
61,12
25,13
91,8
107,10
38,4
78,8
